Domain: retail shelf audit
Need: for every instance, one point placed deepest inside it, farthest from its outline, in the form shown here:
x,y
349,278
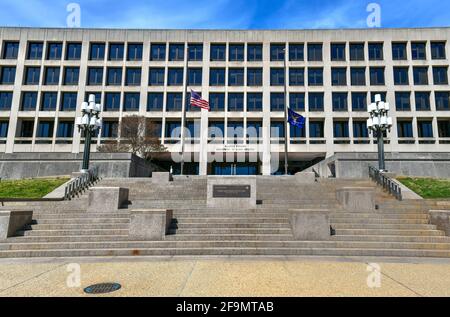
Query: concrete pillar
x,y
310,225
150,224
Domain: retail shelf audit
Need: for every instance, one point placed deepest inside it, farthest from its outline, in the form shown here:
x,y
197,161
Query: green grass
x,y
428,188
29,188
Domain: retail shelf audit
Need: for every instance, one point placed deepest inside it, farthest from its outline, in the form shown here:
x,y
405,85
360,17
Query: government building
x,y
331,77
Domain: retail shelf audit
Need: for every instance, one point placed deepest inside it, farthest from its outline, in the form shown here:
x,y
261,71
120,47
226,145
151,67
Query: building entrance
x,y
235,169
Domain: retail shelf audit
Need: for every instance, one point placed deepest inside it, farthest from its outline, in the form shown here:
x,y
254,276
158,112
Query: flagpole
x,y
184,106
286,75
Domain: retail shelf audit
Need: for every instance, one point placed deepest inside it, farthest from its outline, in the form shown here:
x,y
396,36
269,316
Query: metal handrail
x,y
81,183
387,183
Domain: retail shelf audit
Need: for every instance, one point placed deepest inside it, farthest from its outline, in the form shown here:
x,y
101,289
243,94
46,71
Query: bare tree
x,y
138,135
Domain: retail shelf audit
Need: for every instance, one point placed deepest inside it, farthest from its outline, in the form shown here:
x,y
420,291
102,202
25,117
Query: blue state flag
x,y
296,119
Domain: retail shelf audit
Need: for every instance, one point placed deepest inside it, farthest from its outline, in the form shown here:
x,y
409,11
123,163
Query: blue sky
x,y
225,14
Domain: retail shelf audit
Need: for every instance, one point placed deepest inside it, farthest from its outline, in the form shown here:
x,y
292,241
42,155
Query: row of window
x,y
235,129
218,51
235,101
236,76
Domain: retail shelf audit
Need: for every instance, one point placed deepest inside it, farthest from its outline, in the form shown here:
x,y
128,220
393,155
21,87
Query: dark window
x,y
444,128
236,77
420,75
401,75
73,51
297,101
315,76
422,101
404,129
11,50
32,75
52,76
373,94
377,76
110,129
217,101
158,52
65,129
399,51
195,52
235,130
35,50
218,52
71,75
339,76
156,76
425,129
360,129
69,101
403,101
116,51
315,101
277,129
174,101
254,101
338,52
54,51
155,101
376,51
176,52
442,100
26,129
254,77
418,51
359,101
297,76
45,129
438,50
49,100
112,101
235,102
296,132
8,75
357,51
29,101
97,52
254,52
277,76
114,76
195,76
175,77
217,77
340,101
316,129
315,52
440,76
340,129
236,53
254,129
134,52
277,52
95,76
133,77
358,76
277,101
5,100
296,52
131,101
173,129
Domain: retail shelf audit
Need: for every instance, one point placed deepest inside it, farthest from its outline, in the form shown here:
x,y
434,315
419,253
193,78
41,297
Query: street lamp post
x,y
378,123
89,125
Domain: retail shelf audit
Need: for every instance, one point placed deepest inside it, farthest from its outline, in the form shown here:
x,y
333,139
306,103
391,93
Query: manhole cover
x,y
103,288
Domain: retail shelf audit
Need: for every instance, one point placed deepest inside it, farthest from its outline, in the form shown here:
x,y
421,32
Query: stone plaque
x,y
232,191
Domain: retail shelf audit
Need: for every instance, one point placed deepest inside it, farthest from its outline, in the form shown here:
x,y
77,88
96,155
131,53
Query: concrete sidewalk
x,y
227,277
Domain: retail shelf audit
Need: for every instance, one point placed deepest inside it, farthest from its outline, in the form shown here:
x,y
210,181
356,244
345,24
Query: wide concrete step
x,y
75,232
205,225
83,226
389,232
227,251
386,238
377,215
73,238
232,220
51,221
81,215
381,221
383,226
231,237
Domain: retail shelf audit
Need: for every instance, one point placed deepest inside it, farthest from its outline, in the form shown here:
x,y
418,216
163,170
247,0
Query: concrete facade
x,y
107,199
12,221
301,148
232,201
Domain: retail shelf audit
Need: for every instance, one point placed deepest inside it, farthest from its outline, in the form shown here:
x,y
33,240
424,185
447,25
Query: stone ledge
x,y
356,199
441,218
310,224
12,221
161,177
107,199
150,224
305,177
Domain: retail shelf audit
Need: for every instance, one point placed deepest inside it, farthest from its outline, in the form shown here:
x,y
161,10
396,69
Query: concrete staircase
x,y
396,229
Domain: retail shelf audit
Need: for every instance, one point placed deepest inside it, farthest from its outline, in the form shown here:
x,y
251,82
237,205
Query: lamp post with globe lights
x,y
378,123
89,125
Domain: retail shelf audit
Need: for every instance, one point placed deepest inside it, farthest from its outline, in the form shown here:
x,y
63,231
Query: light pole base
x,y
84,171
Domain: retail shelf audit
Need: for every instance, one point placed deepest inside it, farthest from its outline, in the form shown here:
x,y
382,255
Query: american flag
x,y
197,101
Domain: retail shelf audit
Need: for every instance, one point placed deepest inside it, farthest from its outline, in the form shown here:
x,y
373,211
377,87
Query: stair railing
x,y
387,183
81,183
